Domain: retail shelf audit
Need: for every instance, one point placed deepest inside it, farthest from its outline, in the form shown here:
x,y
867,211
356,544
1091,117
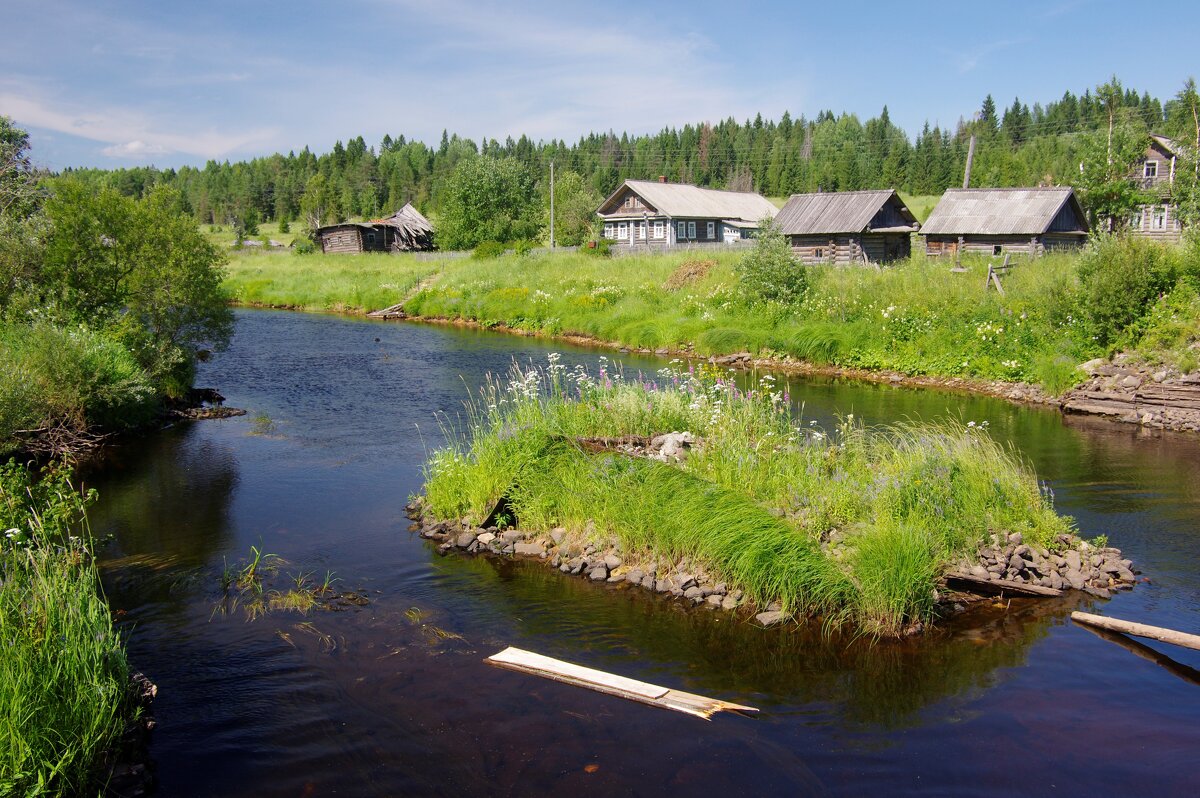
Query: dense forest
x,y
1016,145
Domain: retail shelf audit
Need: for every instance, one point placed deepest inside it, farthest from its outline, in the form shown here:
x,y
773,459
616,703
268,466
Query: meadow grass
x,y
756,501
63,676
345,283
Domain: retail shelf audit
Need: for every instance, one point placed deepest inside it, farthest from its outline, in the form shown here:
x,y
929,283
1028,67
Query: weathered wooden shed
x,y
405,230
848,226
996,221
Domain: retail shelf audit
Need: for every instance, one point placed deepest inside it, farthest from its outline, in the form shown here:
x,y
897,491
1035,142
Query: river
x,y
393,698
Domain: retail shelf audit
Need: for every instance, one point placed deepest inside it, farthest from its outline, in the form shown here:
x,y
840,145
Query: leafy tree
x,y
487,199
770,273
139,268
318,202
1107,180
575,204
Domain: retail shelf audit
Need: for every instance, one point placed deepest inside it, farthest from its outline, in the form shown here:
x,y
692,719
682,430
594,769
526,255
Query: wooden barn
x,y
647,213
404,231
1155,174
998,221
848,226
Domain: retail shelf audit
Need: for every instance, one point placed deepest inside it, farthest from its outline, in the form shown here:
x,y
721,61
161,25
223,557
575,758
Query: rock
x,y
707,590
1125,575
713,601
486,538
648,582
1074,561
1015,539
565,568
530,549
1132,381
979,572
512,535
598,574
1074,579
1098,592
612,561
464,539
1016,563
721,588
1093,367
729,603
683,581
635,576
614,578
693,593
557,534
662,586
771,617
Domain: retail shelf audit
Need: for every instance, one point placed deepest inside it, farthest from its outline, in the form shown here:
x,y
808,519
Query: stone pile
x,y
1074,564
1152,396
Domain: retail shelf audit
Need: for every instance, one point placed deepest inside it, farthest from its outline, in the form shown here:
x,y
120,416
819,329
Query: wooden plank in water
x,y
994,587
1139,630
547,667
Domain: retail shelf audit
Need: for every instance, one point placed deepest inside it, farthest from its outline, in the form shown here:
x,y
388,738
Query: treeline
x,y
1016,145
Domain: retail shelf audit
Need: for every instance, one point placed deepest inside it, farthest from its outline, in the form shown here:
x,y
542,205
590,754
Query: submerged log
x,y
995,587
538,665
1185,672
1139,630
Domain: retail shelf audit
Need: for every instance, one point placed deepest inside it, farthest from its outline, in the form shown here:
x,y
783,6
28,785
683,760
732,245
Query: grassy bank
x,y
63,676
756,500
349,284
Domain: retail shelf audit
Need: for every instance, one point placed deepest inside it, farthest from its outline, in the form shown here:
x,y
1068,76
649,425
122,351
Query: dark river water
x,y
393,698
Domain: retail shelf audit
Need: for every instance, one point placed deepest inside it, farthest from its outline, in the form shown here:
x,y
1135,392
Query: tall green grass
x,y
63,674
73,377
757,499
345,283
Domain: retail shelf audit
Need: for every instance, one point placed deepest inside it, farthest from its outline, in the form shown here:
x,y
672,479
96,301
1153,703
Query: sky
x,y
108,84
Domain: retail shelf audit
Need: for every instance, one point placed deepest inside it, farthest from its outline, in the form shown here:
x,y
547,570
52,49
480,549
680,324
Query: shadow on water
x,y
394,698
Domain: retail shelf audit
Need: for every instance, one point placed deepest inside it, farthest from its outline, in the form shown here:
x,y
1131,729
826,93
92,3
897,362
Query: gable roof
x,y
681,199
407,218
837,212
1168,145
1001,211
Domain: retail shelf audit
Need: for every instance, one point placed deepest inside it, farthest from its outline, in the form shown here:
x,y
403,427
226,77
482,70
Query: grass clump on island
x,y
754,502
63,674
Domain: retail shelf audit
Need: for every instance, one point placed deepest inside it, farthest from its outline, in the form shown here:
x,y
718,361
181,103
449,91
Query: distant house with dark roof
x,y
659,214
403,231
996,221
1156,176
848,226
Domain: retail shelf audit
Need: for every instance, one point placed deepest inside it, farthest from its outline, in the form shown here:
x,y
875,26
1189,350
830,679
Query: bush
x,y
303,246
284,227
524,246
598,249
1121,278
488,249
769,272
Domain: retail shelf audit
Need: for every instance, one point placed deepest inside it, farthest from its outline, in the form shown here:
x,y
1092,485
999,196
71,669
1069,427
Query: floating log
x,y
995,587
1139,630
538,665
1185,672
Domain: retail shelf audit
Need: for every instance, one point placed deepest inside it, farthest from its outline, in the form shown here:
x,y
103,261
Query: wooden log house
x,y
404,231
646,213
848,226
998,221
1155,174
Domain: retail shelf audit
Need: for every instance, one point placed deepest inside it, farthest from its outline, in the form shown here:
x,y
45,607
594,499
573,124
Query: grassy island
x,y
854,525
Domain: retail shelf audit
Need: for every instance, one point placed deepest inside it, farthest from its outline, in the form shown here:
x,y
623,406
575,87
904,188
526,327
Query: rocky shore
x,y
1006,565
1154,397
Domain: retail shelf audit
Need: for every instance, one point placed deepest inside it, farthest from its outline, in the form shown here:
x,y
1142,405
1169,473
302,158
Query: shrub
x,y
524,246
303,246
769,272
1121,278
284,227
488,249
598,249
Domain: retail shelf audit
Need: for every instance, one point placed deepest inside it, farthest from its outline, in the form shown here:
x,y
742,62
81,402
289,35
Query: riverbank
x,y
69,707
917,324
744,501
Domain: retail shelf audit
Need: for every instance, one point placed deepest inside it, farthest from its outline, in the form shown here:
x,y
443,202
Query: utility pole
x,y
552,205
970,160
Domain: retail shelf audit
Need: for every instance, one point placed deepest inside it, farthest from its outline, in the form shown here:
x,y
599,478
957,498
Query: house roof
x,y
683,200
1001,211
407,218
1170,145
837,212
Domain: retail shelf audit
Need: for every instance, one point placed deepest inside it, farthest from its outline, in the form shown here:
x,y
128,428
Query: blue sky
x,y
120,83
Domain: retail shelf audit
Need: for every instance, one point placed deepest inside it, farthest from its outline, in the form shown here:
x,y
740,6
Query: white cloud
x,y
128,133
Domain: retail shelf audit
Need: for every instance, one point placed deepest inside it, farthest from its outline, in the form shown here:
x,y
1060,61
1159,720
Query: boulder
x,y
464,539
530,550
598,574
612,561
771,617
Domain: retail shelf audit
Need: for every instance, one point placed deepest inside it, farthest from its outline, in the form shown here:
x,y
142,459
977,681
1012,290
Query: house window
x,y
681,231
1135,221
641,228
622,231
658,230
1159,220
608,231
997,249
818,253
712,230
371,238
691,229
1150,170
